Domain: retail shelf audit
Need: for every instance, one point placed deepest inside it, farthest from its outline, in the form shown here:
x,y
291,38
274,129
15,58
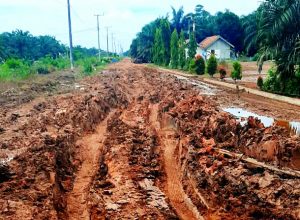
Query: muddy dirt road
x,y
138,143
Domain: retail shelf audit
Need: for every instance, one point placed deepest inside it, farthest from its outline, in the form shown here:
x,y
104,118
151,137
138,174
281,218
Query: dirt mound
x,y
244,190
136,143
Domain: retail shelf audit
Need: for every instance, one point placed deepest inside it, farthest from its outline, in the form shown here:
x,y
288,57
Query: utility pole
x,y
107,40
115,47
112,42
70,35
98,29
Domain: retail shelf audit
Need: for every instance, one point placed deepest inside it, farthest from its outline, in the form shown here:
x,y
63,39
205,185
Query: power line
x,y
78,31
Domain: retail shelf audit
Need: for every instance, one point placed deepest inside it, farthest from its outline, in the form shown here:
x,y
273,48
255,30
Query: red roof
x,y
210,40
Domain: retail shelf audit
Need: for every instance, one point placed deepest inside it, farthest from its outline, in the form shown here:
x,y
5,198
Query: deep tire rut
x,y
179,199
90,153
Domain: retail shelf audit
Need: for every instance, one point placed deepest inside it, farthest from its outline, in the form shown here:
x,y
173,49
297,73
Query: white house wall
x,y
222,50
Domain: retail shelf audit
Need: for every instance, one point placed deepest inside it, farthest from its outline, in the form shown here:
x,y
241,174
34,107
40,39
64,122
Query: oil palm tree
x,y
279,34
177,19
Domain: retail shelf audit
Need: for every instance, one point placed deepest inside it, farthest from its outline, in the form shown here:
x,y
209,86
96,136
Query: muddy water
x,y
240,114
204,88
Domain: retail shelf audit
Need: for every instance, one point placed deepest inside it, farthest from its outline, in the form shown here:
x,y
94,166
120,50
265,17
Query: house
x,y
216,45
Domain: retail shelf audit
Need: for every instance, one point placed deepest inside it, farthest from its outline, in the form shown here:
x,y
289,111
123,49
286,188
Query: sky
x,y
125,18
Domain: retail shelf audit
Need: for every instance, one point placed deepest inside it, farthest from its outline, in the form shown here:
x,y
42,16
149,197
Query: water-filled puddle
x,y
239,113
205,88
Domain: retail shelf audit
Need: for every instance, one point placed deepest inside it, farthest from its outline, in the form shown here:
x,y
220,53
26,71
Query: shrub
x,y
223,73
87,66
43,69
197,65
212,65
271,83
14,63
14,69
237,71
260,82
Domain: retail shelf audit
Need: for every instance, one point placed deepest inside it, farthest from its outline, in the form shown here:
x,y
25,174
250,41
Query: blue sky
x,y
126,17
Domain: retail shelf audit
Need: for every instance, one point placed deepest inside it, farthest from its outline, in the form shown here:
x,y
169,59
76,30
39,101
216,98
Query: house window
x,y
213,52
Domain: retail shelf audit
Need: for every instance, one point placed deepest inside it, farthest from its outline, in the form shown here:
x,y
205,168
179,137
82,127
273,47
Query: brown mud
x,y
137,143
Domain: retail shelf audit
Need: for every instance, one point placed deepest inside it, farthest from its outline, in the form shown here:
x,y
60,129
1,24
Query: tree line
x,y
272,32
20,44
227,24
22,55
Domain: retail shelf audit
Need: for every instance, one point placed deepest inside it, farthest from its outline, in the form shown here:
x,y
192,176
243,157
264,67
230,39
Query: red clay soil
x,y
136,143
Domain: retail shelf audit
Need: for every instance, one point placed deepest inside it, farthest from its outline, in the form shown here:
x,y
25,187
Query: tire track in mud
x,y
179,199
92,145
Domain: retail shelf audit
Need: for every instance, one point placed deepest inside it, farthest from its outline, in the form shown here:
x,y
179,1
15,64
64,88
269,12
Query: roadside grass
x,y
14,70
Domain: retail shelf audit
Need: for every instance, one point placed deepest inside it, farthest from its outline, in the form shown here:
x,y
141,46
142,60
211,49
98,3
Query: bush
x,y
14,69
236,74
197,65
42,69
260,82
271,83
212,65
275,84
14,63
87,66
223,73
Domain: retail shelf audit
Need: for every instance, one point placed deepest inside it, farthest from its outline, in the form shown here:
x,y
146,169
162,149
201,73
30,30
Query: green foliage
x,y
158,49
14,69
204,23
89,65
228,25
177,19
197,65
174,49
142,46
166,37
260,82
250,25
22,45
181,51
192,46
275,84
212,65
278,38
236,74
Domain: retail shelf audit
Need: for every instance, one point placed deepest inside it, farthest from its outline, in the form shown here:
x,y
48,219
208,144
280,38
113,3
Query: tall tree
x,y
158,48
192,47
174,49
142,45
279,35
229,26
166,36
250,26
177,19
203,23
181,51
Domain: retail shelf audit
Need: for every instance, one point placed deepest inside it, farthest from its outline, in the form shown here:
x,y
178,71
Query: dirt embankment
x,y
136,143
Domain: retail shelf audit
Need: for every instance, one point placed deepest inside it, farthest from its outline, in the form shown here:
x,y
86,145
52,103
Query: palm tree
x,y
250,26
177,19
279,35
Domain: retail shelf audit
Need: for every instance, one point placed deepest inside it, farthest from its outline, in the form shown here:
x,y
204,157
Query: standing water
x,y
239,113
